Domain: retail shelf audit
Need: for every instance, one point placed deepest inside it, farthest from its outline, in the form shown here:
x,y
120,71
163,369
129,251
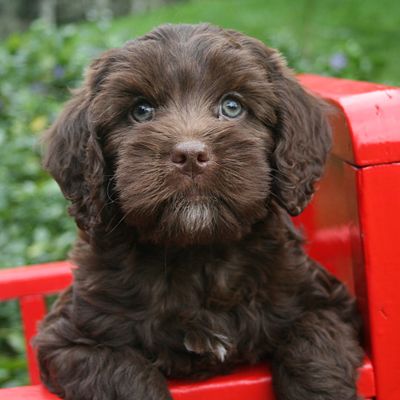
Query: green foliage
x,y
12,359
38,67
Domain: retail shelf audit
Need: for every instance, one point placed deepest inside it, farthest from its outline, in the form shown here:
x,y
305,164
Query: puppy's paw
x,y
215,343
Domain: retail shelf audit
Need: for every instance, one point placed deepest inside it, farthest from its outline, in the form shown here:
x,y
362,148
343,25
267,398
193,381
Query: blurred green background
x,y
45,46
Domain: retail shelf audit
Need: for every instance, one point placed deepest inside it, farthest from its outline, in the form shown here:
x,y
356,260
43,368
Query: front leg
x,y
318,359
76,367
84,372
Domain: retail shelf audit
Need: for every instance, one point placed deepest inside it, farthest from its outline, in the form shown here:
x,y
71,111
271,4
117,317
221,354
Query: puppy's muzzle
x,y
191,157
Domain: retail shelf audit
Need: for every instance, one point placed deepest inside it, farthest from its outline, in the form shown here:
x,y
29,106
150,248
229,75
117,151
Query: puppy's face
x,y
190,131
187,128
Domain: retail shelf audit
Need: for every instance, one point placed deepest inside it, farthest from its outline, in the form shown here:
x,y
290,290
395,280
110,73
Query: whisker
x,y
111,200
117,224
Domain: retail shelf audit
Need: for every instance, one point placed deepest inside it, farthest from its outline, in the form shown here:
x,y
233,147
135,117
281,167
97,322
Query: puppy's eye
x,y
143,111
230,107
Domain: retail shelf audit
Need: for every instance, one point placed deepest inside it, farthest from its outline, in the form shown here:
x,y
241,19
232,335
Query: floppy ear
x,y
302,132
73,155
303,138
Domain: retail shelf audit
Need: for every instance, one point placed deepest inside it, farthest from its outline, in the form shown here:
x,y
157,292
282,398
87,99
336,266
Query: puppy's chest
x,y
207,324
184,341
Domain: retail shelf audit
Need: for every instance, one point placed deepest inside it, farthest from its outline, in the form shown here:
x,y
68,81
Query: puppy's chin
x,y
195,221
192,217
189,221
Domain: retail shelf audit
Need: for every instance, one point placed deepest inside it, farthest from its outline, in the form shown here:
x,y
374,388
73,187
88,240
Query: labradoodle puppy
x,y
183,154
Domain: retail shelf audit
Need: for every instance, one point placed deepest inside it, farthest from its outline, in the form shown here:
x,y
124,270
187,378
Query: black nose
x,y
191,157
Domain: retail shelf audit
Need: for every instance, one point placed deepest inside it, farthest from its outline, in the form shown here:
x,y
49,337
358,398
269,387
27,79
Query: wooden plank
x,y
35,279
33,309
253,383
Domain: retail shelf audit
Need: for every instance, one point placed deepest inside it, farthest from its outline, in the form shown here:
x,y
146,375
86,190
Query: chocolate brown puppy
x,y
183,155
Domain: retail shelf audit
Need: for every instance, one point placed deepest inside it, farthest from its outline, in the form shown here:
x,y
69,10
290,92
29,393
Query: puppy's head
x,y
186,135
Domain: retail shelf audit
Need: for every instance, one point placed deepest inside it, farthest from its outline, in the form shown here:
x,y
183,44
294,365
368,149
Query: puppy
x,y
183,155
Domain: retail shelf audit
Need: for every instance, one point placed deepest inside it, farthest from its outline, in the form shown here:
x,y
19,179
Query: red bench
x,y
351,226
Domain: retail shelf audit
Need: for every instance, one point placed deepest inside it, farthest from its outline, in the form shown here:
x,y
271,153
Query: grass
x,y
309,32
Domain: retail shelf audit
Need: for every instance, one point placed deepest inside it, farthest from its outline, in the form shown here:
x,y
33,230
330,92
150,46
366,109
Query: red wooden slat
x,y
253,383
33,309
366,380
371,118
36,392
247,383
380,220
35,279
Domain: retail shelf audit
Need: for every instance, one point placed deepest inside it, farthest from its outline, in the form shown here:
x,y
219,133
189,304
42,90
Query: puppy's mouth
x,y
196,197
193,218
193,212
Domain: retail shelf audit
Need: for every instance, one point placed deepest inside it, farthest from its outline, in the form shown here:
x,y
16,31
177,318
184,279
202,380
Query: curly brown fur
x,y
189,274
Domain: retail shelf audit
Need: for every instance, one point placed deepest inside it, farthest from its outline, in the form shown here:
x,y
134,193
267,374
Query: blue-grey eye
x,y
143,111
230,107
